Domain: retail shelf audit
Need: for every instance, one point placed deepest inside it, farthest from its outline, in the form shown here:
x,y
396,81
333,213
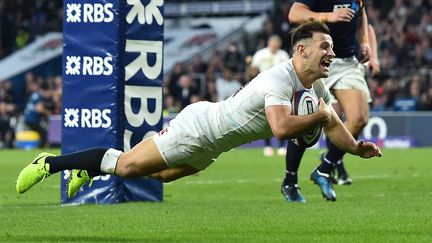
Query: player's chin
x,y
324,74
324,71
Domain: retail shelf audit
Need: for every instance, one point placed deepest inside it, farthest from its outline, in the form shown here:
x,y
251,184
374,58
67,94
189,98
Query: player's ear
x,y
301,49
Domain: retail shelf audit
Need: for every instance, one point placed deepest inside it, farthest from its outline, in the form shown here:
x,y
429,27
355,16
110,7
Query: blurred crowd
x,y
42,98
403,28
21,21
404,33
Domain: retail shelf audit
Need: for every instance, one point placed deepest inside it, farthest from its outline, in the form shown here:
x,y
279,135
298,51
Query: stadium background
x,y
209,40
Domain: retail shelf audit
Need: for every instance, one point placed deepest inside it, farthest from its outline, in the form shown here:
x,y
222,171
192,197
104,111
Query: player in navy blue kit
x,y
348,25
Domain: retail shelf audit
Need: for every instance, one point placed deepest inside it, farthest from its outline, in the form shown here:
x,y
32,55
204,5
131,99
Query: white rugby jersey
x,y
241,118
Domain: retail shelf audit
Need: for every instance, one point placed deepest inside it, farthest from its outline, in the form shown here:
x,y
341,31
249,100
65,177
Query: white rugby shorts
x,y
181,142
347,73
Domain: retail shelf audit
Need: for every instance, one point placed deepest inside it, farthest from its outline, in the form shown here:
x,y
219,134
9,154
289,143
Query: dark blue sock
x,y
92,173
326,166
281,143
334,153
86,160
340,167
267,142
292,159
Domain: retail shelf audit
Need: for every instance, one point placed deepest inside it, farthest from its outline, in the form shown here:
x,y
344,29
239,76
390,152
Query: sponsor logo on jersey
x,y
355,5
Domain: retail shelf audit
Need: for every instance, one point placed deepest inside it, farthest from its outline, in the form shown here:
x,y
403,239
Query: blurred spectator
x,y
31,85
211,91
263,36
426,100
57,94
186,94
233,58
269,56
198,65
7,111
226,85
22,38
215,65
390,89
39,106
171,83
170,87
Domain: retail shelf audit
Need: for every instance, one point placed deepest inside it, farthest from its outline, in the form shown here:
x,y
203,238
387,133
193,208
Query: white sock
x,y
109,160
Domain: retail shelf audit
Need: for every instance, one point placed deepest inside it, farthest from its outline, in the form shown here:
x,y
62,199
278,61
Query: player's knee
x,y
124,171
127,168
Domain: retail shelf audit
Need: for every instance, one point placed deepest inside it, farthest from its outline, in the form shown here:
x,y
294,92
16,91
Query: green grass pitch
x,y
237,199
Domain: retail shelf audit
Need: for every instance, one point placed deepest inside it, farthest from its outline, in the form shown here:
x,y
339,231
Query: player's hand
x,y
341,15
373,66
326,109
368,149
365,51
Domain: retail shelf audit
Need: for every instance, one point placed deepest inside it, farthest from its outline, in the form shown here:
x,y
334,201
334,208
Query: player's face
x,y
320,53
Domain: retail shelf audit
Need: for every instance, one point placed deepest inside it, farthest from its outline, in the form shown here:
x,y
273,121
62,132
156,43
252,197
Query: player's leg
x,y
322,175
142,160
344,178
282,148
339,166
355,106
174,173
290,188
98,160
268,149
78,178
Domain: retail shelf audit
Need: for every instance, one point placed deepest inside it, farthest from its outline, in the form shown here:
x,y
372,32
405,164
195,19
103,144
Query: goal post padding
x,y
112,88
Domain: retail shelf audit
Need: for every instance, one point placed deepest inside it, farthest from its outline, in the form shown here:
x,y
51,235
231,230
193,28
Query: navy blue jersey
x,y
344,34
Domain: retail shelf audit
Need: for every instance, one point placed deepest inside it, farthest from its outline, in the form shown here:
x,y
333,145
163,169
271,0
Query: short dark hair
x,y
306,30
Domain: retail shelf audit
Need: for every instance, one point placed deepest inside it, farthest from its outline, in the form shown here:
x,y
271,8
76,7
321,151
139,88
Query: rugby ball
x,y
305,103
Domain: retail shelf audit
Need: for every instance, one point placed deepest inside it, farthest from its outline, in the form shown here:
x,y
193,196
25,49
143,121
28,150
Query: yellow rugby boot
x,y
76,180
33,173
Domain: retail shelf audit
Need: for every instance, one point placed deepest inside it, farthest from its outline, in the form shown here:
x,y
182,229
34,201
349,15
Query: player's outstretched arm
x,y
363,35
373,63
342,138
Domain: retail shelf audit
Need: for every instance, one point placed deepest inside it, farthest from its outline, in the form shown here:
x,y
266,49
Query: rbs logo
x,y
87,65
87,118
89,13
